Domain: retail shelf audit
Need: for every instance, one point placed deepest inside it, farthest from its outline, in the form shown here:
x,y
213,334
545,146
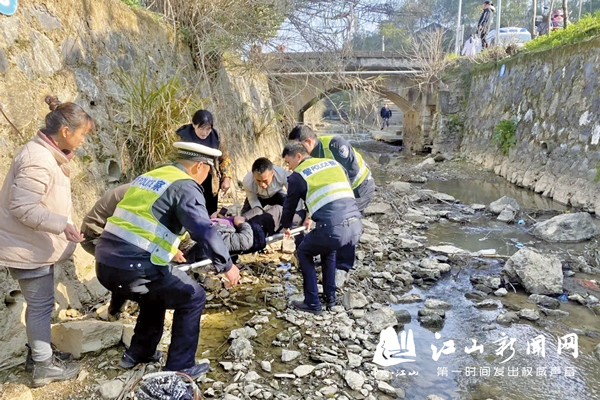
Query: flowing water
x,y
489,375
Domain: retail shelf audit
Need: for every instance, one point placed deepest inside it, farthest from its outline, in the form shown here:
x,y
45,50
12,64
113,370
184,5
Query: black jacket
x,y
385,112
486,19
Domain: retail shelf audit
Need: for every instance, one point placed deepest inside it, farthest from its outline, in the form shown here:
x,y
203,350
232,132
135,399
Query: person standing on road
x,y
385,114
324,187
37,232
485,23
201,131
338,149
139,241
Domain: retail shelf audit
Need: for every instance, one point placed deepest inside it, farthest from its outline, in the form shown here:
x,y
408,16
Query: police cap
x,y
196,152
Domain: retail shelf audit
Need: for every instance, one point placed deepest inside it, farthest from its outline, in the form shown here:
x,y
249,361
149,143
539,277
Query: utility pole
x,y
566,13
499,11
457,44
533,20
382,43
580,4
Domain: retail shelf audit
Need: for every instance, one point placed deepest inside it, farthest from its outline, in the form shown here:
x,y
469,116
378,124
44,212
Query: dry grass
x,y
154,111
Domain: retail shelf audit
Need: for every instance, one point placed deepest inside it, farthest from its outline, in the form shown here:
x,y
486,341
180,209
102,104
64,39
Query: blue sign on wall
x,y
8,7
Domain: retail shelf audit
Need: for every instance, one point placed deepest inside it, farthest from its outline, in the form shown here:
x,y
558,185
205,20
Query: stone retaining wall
x,y
555,98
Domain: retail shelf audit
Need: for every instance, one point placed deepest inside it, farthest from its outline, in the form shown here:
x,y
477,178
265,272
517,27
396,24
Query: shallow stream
x,y
459,375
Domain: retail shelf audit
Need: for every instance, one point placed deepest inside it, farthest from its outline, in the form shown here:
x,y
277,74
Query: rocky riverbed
x,y
410,276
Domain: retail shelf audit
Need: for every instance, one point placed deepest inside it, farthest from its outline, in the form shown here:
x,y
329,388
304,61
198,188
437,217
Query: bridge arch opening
x,y
324,105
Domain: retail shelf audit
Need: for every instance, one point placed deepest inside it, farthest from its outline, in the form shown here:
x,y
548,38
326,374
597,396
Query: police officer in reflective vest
x,y
140,240
338,148
324,187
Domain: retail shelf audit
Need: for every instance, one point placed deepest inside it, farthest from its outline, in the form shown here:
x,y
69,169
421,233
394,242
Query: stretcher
x,y
269,240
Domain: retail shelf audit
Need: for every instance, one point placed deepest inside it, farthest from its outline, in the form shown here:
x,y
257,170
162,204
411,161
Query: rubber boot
x,y
52,370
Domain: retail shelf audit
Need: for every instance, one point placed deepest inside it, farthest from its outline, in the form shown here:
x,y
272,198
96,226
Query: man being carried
x,y
338,149
323,185
141,239
265,185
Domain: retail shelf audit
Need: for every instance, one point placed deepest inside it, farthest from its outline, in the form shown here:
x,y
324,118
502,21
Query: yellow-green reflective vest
x,y
363,171
134,222
326,181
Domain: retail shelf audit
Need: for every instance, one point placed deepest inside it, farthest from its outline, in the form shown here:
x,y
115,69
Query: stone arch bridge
x,y
300,80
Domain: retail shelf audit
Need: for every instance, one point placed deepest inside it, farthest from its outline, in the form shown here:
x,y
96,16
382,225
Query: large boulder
x,y
79,337
575,227
537,273
499,205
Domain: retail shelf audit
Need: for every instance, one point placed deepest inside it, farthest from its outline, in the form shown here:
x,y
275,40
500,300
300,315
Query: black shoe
x,y
52,370
194,371
128,362
330,302
302,306
61,355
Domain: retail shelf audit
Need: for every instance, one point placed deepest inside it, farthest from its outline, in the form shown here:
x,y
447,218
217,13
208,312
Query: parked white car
x,y
510,35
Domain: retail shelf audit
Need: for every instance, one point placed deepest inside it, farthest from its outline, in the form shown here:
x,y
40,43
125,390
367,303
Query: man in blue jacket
x,y
385,114
324,187
140,240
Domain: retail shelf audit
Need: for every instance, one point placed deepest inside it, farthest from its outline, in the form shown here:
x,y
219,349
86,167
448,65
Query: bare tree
x,y
549,21
427,50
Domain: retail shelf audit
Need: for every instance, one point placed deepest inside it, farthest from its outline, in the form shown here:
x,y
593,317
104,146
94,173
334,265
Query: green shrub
x,y
587,27
504,135
456,123
155,110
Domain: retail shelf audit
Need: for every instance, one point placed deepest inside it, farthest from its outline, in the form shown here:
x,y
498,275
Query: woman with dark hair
x,y
201,131
37,232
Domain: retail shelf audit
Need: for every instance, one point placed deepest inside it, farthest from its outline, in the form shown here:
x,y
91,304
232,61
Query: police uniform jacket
x,y
332,213
182,205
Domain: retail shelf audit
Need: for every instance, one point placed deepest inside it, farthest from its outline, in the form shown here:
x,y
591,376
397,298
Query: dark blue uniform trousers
x,y
155,289
336,245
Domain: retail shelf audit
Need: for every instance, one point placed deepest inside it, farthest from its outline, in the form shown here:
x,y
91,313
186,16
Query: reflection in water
x,y
482,191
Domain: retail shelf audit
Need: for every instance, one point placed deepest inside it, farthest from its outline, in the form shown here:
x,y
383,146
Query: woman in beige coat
x,y
36,231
